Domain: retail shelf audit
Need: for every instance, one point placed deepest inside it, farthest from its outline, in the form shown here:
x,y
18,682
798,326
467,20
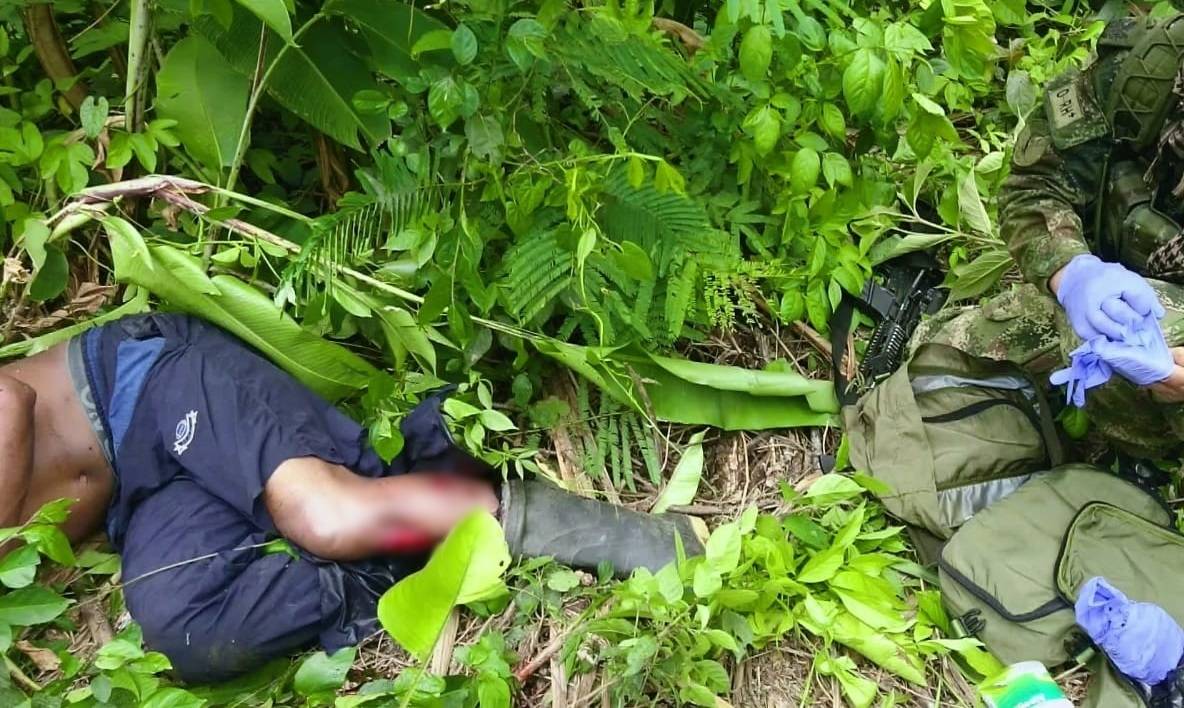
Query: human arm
x,y
17,402
1171,389
1041,201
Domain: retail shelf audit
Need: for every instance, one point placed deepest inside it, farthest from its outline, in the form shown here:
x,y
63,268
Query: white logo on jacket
x,y
185,431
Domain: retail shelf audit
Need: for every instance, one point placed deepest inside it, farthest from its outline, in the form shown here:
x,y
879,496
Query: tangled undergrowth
x,y
567,209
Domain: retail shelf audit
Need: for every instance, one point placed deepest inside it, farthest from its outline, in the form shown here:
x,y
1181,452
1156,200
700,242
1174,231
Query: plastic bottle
x,y
1024,685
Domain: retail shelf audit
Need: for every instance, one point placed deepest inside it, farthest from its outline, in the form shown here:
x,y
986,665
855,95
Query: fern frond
x,y
639,64
536,271
680,293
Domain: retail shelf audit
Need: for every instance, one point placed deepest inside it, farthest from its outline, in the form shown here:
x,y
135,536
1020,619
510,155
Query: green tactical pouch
x,y
951,433
1013,571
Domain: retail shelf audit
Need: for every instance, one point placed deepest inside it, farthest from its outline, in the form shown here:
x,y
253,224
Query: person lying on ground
x,y
192,451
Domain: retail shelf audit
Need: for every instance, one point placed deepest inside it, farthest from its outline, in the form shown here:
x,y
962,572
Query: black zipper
x,y
1056,604
984,405
1060,602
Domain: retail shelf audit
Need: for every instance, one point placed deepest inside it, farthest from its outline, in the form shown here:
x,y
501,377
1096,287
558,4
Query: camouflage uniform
x,y
1107,135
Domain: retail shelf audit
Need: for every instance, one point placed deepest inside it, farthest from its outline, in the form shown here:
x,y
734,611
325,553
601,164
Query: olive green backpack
x,y
1011,574
964,446
950,433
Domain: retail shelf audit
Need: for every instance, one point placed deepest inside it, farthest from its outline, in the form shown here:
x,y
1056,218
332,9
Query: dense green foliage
x,y
452,190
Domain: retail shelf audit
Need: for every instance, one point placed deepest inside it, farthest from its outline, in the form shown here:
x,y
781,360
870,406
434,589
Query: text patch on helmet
x,y
1066,105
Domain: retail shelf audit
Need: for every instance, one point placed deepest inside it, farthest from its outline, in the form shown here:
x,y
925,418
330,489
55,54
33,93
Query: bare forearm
x,y
17,403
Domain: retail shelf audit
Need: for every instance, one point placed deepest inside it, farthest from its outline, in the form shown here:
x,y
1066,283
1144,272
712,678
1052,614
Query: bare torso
x,y
67,460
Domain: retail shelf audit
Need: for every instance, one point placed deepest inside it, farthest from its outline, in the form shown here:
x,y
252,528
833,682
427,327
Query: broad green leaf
x,y
832,122
684,481
391,29
695,393
463,44
445,98
971,206
968,37
756,51
274,14
31,605
875,615
51,542
803,170
322,673
485,136
563,580
316,80
822,566
723,548
438,40
1020,93
93,115
199,89
860,691
764,125
976,277
328,369
891,248
807,531
19,567
836,170
34,238
635,261
466,567
850,632
172,697
50,279
832,488
863,81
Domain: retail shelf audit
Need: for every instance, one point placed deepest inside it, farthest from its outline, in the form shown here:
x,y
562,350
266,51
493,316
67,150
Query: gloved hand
x,y
1141,639
1086,369
1104,299
1143,357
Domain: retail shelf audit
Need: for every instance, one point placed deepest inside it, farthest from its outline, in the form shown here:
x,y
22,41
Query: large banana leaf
x,y
177,278
201,91
391,30
694,393
316,80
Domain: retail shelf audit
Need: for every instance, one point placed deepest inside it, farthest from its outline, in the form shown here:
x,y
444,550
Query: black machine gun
x,y
910,289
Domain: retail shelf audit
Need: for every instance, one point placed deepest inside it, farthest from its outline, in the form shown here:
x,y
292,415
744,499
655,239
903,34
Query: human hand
x,y
1171,389
1142,358
1103,299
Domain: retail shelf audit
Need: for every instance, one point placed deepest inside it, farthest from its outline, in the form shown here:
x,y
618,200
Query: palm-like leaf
x,y
315,80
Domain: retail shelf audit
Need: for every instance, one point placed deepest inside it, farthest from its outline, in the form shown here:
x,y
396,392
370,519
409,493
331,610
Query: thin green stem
x,y
139,34
257,92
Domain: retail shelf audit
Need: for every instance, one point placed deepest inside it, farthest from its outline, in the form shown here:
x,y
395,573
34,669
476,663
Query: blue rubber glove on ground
x,y
1143,357
1086,370
1104,299
1142,640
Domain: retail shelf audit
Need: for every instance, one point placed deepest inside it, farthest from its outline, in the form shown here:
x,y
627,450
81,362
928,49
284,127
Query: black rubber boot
x,y
542,520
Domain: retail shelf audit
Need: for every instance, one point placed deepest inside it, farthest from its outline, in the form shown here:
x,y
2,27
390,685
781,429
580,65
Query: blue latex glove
x,y
1086,369
1104,299
1142,640
1143,357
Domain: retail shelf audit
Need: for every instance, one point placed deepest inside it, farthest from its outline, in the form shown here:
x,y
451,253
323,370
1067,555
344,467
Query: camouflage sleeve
x,y
1044,199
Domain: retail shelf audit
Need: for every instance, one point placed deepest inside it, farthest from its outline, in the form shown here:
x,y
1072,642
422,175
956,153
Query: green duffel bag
x,y
950,433
1012,573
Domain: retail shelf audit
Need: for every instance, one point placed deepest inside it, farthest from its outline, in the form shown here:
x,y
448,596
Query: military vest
x,y
1134,96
